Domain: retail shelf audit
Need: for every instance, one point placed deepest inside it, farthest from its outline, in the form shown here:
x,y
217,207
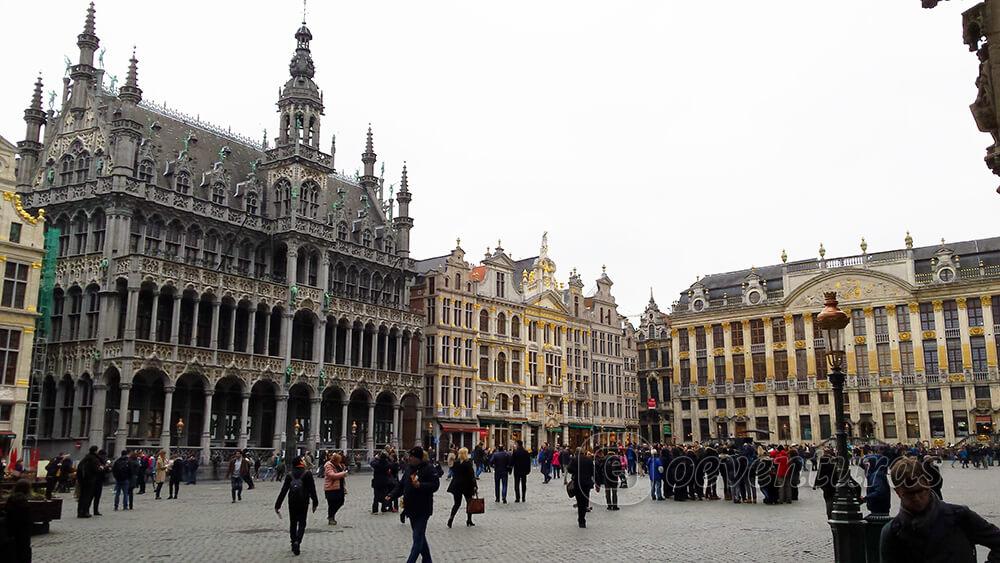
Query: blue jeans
x,y
656,489
479,469
499,479
420,546
122,488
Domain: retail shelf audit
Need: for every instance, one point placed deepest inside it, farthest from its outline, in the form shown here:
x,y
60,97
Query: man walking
x,y
500,460
123,475
417,490
102,470
521,461
300,488
239,470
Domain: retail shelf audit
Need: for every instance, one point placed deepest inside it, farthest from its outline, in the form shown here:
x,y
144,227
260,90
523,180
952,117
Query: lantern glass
x,y
834,339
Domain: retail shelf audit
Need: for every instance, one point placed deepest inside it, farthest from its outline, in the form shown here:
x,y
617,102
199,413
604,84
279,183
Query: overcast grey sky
x,y
666,139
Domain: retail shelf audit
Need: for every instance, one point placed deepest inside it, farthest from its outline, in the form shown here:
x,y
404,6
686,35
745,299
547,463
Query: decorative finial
x,y
604,269
942,241
458,242
303,12
784,256
822,251
864,246
908,240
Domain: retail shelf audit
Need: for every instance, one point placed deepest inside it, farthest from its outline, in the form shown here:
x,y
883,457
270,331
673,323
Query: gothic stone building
x,y
921,363
213,292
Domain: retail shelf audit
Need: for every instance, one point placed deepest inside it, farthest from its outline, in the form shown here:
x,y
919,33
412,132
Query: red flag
x,y
13,457
34,460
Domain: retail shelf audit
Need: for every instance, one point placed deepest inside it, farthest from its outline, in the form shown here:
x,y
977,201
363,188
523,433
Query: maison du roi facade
x,y
514,354
744,357
214,292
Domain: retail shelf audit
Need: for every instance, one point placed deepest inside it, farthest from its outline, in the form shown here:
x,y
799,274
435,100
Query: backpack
x,y
296,488
120,469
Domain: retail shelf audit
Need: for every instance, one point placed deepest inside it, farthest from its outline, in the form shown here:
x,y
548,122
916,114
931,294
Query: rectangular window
x,y
912,426
881,320
861,359
784,428
906,357
759,367
781,400
760,401
740,402
805,426
501,284
974,306
824,426
702,364
10,346
431,317
446,312
682,337
533,367
950,309
739,369
978,349
937,424
803,399
858,322
982,392
801,363
756,331
889,425
445,345
820,363
864,397
717,336
823,398
931,357
958,393
953,347
468,315
780,365
763,424
934,394
799,327
926,316
778,329
15,232
886,395
6,410
15,285
902,318
699,338
884,356
720,403
685,372
910,395
430,349
484,362
736,333
961,421
720,370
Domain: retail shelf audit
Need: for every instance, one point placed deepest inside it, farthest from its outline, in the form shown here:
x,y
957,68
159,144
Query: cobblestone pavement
x,y
204,526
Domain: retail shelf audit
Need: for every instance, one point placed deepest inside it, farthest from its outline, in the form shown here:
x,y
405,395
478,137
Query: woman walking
x,y
334,486
463,484
160,474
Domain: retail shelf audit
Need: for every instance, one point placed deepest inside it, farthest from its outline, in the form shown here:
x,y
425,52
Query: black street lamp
x,y
846,522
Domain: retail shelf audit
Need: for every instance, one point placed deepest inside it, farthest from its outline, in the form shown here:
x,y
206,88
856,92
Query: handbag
x,y
571,488
475,505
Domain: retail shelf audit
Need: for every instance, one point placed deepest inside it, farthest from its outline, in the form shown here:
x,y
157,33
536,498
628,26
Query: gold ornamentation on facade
x,y
745,323
737,349
741,412
890,311
956,378
928,334
800,344
986,300
886,381
779,345
759,387
16,199
914,307
976,331
937,305
718,351
961,302
904,336
824,384
868,311
859,339
684,355
36,265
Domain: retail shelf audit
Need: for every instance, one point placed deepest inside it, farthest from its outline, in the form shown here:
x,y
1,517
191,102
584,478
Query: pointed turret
x,y
83,72
368,157
131,92
300,102
403,223
30,147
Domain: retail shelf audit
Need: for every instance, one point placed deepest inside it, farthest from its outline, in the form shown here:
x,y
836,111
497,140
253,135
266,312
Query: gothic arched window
x,y
342,231
366,238
282,198
251,203
146,171
219,193
183,183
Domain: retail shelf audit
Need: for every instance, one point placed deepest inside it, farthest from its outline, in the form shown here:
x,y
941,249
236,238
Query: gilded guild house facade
x,y
214,292
921,362
510,353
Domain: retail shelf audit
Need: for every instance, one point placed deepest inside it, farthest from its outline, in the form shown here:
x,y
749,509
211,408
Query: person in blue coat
x,y
630,459
878,496
655,470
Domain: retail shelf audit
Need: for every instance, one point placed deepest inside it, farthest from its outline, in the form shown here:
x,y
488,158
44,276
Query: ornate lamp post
x,y
847,524
180,430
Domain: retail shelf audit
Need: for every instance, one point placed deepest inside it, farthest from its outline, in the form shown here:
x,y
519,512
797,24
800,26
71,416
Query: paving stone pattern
x,y
203,525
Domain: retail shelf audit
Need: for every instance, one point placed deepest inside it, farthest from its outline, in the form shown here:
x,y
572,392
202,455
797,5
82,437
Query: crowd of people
x,y
404,483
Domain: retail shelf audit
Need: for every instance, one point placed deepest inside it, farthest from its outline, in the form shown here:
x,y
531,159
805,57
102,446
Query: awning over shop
x,y
488,422
581,426
459,427
556,429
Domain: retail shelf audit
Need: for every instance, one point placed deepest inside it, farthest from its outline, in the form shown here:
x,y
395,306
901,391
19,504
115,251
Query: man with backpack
x,y
300,489
122,472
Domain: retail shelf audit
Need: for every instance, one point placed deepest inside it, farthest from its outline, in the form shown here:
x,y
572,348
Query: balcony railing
x,y
881,337
720,388
980,375
739,388
952,333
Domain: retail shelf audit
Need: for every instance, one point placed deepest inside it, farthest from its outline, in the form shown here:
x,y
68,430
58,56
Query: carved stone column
x,y
96,432
244,419
343,426
314,424
168,405
121,434
370,431
206,428
175,319
153,316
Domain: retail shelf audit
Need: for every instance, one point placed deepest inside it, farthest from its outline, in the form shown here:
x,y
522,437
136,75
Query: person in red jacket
x,y
784,475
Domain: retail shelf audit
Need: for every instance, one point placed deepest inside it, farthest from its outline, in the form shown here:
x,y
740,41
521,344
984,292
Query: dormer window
x,y
146,171
251,203
366,238
219,193
342,231
182,184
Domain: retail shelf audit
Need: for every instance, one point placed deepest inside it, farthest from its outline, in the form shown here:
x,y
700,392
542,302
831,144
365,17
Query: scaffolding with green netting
x,y
39,351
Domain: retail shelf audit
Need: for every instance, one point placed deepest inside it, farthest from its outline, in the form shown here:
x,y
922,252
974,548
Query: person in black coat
x,y
417,489
710,465
609,471
102,470
666,456
176,475
681,471
501,462
18,521
521,461
86,478
582,471
382,482
300,489
463,484
826,479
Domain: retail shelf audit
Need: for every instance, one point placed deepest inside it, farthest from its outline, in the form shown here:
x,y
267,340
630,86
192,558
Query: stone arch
x,y
851,285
